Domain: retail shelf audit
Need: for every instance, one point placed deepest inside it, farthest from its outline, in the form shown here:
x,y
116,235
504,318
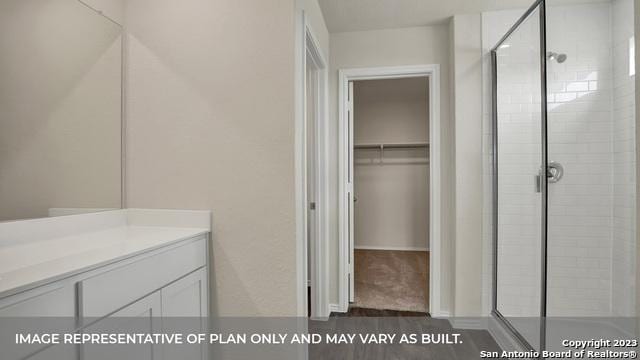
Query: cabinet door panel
x,y
46,309
186,297
56,352
184,310
141,317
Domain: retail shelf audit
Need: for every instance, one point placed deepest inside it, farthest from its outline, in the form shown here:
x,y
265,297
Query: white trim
x,y
469,323
321,292
123,118
334,308
300,196
433,73
390,248
307,44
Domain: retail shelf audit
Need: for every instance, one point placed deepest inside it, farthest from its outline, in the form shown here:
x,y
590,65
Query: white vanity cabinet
x,y
133,294
180,307
107,291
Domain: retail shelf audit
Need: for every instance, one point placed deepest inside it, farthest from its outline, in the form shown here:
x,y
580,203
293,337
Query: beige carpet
x,y
392,280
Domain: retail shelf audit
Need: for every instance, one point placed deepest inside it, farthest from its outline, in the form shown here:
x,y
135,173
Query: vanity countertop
x,y
38,259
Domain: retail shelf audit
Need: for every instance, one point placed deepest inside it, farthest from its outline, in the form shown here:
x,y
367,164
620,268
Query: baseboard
x,y
440,314
469,323
391,248
335,308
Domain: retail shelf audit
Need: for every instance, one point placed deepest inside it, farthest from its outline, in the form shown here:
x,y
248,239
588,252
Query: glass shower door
x,y
565,173
518,197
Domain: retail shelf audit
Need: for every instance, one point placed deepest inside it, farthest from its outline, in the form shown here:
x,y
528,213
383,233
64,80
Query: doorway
x,y
389,193
312,179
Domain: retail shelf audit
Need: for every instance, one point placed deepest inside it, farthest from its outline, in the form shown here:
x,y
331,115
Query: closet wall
x,y
392,211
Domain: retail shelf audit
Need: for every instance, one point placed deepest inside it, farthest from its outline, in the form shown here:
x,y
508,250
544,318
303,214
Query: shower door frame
x,y
541,5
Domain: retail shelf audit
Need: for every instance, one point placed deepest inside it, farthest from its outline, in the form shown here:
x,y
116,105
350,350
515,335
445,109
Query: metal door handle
x,y
555,171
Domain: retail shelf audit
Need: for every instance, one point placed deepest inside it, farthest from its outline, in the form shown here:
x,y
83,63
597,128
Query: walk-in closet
x,y
391,194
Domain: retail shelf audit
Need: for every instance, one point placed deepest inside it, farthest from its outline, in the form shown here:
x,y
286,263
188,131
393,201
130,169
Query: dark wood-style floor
x,y
371,321
363,312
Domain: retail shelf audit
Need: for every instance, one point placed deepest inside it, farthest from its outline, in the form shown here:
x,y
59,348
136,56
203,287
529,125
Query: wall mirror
x,y
60,109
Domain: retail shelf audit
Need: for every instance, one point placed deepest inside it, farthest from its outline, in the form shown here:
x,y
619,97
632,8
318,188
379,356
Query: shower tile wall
x,y
624,159
591,132
580,134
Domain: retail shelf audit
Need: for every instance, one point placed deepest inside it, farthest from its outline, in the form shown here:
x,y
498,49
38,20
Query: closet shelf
x,y
393,146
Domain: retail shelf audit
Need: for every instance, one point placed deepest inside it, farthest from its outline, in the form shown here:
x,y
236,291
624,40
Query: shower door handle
x,y
555,172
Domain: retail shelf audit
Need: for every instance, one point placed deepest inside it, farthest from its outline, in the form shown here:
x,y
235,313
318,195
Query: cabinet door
x,y
184,310
46,309
186,297
56,352
141,317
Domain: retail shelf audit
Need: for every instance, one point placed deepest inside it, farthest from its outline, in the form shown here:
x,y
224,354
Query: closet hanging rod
x,y
393,146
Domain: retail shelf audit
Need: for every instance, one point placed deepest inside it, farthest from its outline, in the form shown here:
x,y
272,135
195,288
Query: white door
x,y
351,193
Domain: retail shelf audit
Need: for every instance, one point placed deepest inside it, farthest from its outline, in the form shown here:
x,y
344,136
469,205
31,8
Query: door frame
x,y
432,72
308,45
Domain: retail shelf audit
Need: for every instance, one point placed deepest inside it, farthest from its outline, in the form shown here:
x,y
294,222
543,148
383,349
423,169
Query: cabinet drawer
x,y
121,285
53,300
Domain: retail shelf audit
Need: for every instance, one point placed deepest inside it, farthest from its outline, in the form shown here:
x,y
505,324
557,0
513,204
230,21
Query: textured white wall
x,y
211,126
113,9
467,115
393,194
393,47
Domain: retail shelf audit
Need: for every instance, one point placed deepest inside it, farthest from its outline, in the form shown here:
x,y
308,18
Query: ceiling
x,y
358,15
